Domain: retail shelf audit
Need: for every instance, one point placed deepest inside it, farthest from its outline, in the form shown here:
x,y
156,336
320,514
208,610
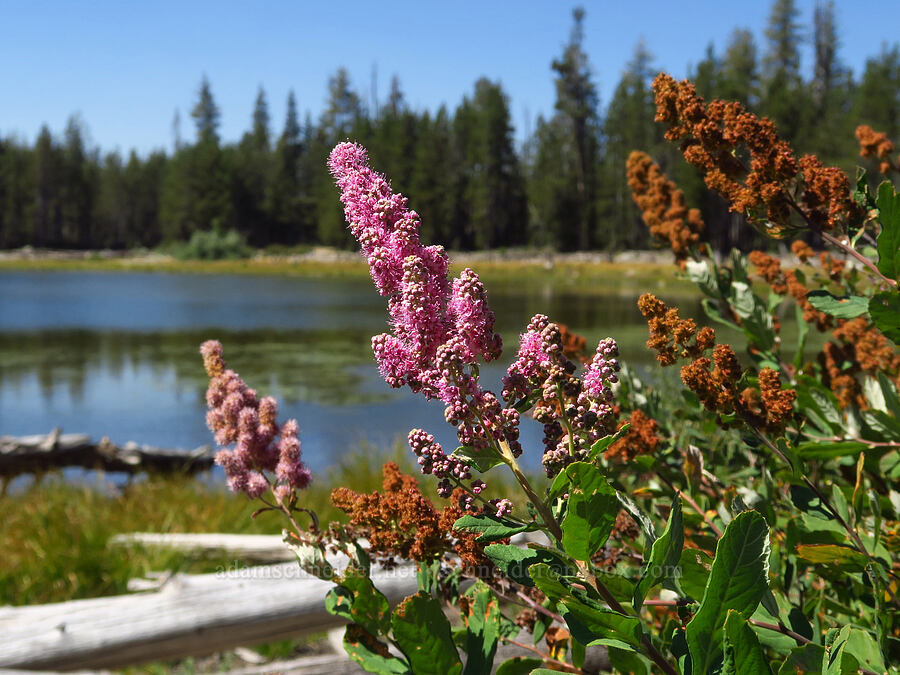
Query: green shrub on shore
x,y
213,244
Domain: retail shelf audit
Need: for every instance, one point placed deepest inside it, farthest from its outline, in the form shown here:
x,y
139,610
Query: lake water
x,y
116,354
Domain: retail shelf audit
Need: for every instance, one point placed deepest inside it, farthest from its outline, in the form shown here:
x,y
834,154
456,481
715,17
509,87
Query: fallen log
x,y
190,615
36,454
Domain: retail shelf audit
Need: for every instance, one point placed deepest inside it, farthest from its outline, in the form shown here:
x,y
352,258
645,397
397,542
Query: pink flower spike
x,y
237,416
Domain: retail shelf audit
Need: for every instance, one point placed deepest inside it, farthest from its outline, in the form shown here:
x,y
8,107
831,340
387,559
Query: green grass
x,y
55,533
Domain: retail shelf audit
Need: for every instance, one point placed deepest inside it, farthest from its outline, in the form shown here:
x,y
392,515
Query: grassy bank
x,y
565,271
56,533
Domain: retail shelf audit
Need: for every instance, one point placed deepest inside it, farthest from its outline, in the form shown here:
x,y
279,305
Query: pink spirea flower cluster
x,y
440,329
237,416
426,310
602,371
575,412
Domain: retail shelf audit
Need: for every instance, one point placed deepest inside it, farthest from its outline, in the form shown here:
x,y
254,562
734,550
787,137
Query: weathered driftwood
x,y
35,454
258,547
190,615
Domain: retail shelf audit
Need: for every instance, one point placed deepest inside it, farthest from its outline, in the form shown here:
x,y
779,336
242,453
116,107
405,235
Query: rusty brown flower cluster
x,y
743,159
766,408
802,250
670,336
858,346
400,522
716,380
640,439
785,282
663,207
574,346
876,144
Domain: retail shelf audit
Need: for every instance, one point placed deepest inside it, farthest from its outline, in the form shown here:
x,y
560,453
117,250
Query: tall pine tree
x,y
577,102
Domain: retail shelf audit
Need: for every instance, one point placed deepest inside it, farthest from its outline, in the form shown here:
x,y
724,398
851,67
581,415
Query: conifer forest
x,y
476,181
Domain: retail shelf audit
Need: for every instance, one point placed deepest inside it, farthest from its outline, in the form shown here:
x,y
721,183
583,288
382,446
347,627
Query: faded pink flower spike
x,y
237,417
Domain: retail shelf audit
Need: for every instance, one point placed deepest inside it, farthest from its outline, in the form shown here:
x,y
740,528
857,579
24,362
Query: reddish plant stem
x,y
834,241
693,504
652,652
546,658
849,250
538,607
871,444
784,630
781,628
709,521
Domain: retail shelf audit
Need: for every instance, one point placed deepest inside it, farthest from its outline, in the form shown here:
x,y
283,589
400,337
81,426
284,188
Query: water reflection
x,y
117,354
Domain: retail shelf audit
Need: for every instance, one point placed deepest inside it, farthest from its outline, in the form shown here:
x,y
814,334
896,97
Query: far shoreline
x,y
577,270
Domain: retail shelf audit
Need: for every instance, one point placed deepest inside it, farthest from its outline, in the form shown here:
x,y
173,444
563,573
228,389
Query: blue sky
x,y
125,67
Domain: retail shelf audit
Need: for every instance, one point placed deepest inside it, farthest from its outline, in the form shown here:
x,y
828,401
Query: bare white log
x,y
35,454
190,615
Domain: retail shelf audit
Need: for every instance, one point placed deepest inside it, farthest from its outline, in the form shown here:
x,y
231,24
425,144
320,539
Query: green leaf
x,y
834,555
840,307
889,393
641,518
491,527
806,658
587,620
888,242
884,308
627,661
482,620
591,512
695,566
480,460
737,581
428,576
861,194
311,558
664,556
514,562
527,403
863,647
819,405
829,449
755,319
520,665
600,445
559,485
802,332
594,625
370,653
743,653
849,651
883,424
357,600
713,312
700,273
809,502
423,634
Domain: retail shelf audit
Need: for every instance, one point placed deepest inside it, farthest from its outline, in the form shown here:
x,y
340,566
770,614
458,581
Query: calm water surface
x,y
116,354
